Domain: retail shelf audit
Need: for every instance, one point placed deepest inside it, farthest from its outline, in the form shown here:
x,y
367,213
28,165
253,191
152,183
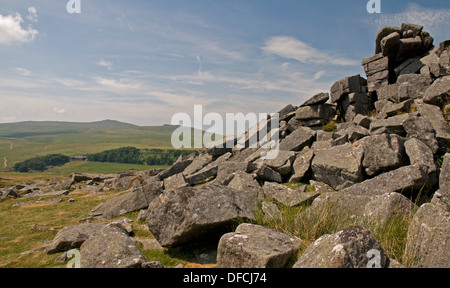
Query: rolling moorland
x,y
25,140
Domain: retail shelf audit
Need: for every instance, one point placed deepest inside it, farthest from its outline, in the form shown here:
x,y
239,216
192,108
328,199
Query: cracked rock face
x,y
253,246
339,166
354,247
198,214
111,248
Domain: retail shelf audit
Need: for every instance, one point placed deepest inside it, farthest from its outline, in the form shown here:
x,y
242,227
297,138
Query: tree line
x,y
132,155
41,163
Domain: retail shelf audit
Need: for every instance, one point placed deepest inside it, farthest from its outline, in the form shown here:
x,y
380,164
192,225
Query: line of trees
x,y
41,163
132,155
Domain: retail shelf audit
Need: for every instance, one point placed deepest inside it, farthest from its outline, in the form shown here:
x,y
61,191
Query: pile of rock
x,y
370,166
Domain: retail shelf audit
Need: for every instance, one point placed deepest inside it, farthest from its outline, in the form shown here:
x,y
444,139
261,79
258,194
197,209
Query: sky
x,y
141,62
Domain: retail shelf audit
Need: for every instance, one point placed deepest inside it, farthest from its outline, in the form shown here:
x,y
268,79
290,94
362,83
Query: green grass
x,y
17,237
309,225
21,141
330,127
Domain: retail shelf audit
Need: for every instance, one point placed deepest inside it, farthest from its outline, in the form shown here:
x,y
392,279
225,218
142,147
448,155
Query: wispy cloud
x,y
11,30
292,48
23,71
32,14
106,64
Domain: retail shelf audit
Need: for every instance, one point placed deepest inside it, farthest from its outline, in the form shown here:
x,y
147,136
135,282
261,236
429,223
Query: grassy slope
x,y
21,141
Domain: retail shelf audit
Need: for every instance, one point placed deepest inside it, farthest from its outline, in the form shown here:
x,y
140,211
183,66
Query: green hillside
x,y
24,140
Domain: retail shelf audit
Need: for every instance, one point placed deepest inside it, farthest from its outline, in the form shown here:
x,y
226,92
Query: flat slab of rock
x,y
111,248
72,237
253,246
135,200
403,180
354,247
298,139
175,181
286,195
391,125
192,215
320,98
339,166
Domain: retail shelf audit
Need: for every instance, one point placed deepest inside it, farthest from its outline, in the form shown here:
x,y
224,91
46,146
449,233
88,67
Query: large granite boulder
x,y
439,92
383,153
428,242
339,166
111,247
71,237
354,247
253,246
298,139
405,180
136,199
383,208
353,84
422,129
286,195
192,215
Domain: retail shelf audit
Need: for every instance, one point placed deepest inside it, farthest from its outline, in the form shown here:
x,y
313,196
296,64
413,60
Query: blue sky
x,y
143,61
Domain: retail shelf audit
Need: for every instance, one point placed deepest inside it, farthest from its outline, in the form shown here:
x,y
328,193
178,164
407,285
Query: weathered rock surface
x,y
71,237
339,166
253,246
191,215
440,125
391,125
407,179
383,208
298,140
439,92
287,196
354,247
422,129
383,153
428,243
245,182
301,165
134,200
111,247
226,170
265,173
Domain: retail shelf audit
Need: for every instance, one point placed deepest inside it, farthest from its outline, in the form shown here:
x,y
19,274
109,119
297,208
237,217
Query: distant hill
x,y
23,140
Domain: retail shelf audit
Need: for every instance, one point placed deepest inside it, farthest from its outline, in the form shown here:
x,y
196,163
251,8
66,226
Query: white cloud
x,y
59,110
11,30
106,64
32,14
435,21
23,71
292,48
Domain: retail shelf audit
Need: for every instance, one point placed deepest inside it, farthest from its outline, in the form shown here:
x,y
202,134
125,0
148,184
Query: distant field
x,y
21,141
